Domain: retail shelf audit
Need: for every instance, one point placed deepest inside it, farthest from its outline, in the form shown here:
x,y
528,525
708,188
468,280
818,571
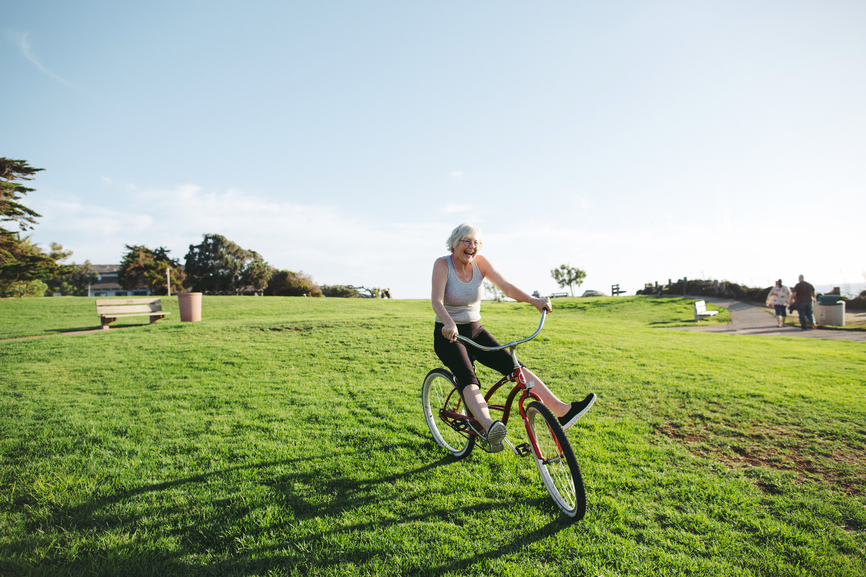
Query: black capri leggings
x,y
458,356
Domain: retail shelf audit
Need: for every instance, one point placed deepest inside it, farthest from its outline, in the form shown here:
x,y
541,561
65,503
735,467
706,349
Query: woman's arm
x,y
509,289
437,298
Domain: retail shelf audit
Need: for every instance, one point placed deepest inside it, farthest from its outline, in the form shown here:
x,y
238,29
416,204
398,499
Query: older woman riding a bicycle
x,y
455,410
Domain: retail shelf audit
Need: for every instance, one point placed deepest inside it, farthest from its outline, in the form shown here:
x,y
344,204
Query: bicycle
x,y
457,431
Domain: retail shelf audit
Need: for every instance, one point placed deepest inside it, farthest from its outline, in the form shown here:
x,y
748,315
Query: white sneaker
x,y
495,436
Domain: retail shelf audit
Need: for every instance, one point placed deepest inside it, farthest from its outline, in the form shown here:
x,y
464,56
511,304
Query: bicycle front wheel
x,y
445,413
556,462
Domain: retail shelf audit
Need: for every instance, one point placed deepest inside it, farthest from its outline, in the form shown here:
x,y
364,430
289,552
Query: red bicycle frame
x,y
468,425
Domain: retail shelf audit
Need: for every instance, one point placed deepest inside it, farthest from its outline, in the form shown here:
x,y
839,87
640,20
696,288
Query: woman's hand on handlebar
x,y
542,304
449,331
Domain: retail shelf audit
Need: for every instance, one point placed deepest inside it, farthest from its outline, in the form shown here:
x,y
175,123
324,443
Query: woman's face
x,y
466,250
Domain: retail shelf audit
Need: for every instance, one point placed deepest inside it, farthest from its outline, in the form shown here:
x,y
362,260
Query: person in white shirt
x,y
779,298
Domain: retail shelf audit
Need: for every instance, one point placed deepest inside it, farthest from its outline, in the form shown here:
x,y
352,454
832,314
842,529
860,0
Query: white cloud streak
x,y
23,44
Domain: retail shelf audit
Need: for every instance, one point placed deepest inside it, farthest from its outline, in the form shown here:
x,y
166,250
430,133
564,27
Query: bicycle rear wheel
x,y
556,462
445,413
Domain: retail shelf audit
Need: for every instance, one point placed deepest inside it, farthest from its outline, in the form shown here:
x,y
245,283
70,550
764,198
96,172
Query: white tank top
x,y
463,299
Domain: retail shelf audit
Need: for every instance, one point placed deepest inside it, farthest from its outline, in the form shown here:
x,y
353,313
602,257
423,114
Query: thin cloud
x,y
23,43
325,241
452,208
458,174
337,246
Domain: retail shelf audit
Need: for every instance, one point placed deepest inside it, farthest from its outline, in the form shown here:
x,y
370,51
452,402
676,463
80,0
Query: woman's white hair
x,y
465,230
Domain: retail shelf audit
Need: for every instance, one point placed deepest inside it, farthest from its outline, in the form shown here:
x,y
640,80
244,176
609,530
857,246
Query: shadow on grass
x,y
222,540
72,331
219,539
361,556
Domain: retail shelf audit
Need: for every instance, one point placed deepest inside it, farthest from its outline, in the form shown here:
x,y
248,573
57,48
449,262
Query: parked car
x,y
593,294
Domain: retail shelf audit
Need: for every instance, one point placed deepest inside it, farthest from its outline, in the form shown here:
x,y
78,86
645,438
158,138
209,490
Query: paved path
x,y
748,319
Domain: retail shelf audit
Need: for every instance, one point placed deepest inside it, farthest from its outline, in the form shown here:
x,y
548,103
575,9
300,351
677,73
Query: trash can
x,y
829,299
190,307
830,310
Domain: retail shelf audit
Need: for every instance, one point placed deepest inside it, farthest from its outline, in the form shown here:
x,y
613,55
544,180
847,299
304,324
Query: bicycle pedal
x,y
463,426
523,450
459,425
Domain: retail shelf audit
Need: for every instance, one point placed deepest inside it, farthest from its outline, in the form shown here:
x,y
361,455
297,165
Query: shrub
x,y
858,303
31,288
724,289
339,291
292,284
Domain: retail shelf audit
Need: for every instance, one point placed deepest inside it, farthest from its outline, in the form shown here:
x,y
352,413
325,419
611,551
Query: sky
x,y
638,141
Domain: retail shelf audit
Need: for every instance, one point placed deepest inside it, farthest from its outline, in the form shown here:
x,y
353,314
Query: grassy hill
x,y
284,436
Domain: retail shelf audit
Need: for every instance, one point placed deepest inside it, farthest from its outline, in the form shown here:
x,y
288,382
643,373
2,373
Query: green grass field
x,y
284,436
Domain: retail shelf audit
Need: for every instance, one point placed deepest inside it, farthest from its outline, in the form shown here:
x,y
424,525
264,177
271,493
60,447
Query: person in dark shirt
x,y
804,294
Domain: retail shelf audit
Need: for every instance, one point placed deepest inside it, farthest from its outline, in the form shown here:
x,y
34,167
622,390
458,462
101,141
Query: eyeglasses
x,y
470,242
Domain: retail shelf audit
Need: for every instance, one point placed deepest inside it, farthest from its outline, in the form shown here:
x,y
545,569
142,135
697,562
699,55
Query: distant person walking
x,y
779,297
804,294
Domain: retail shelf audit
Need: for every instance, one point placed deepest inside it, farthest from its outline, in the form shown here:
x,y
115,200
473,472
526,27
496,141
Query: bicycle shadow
x,y
218,534
321,540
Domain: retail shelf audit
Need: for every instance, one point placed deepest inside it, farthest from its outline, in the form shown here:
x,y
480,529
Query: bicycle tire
x,y
440,398
557,465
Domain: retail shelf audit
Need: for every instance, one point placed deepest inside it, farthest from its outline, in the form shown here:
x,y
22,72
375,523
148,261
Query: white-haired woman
x,y
456,299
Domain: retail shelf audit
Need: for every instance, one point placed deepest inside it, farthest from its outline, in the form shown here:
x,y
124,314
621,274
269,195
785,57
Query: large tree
x,y
142,266
568,276
219,266
21,262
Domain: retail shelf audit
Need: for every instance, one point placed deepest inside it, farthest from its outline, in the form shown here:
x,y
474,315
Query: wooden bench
x,y
555,295
110,310
701,311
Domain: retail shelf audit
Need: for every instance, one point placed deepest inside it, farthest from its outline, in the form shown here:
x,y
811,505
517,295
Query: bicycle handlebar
x,y
512,343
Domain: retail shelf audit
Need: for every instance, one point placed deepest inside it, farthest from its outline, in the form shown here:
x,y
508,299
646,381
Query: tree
x,y
18,280
219,266
494,293
21,261
11,192
256,275
292,284
74,283
25,285
567,276
142,266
